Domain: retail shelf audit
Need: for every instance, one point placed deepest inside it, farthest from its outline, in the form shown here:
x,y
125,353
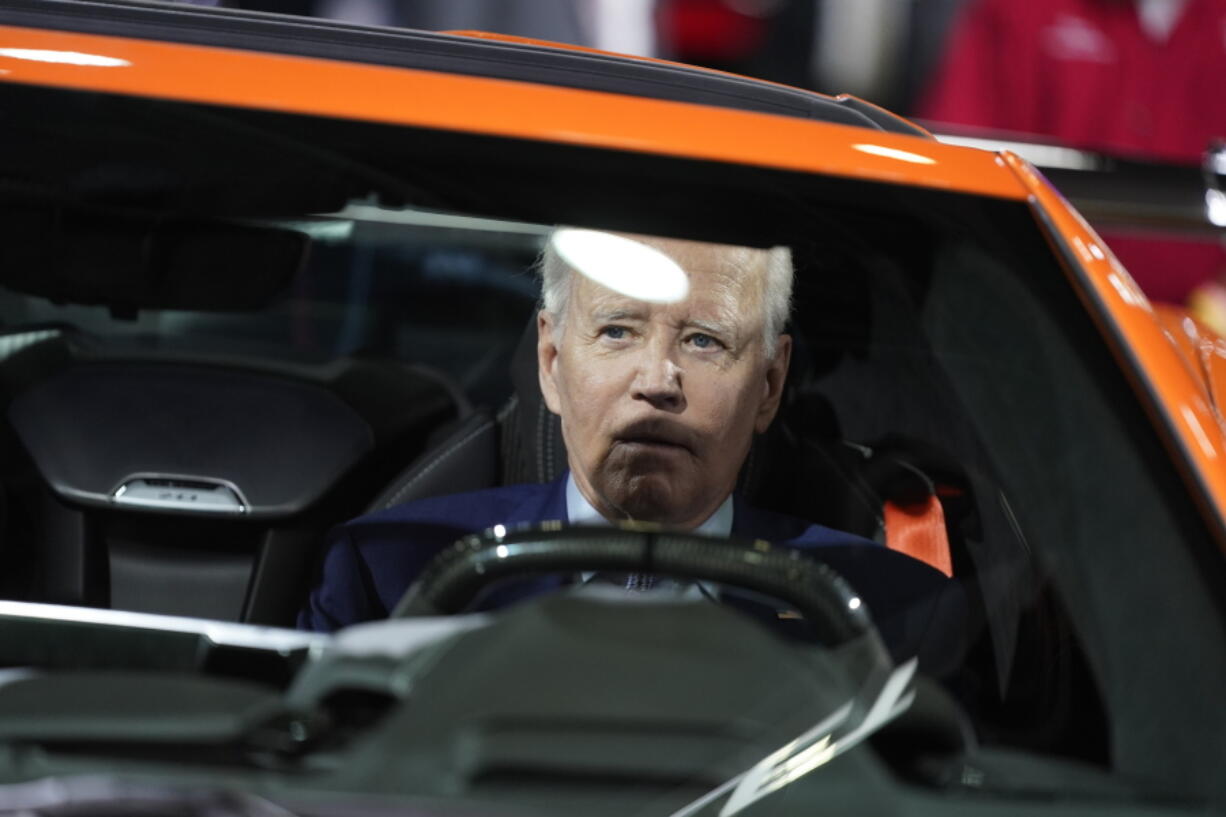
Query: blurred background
x,y
1118,101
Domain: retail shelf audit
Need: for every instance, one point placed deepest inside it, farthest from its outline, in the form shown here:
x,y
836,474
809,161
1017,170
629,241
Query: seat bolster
x,y
464,460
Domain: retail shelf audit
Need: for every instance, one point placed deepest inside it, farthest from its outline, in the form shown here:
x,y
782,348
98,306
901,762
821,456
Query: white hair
x,y
556,277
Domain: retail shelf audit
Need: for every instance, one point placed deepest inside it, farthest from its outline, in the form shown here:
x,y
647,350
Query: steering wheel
x,y
828,604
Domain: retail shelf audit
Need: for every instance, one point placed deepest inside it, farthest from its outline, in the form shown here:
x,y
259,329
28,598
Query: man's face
x,y
659,402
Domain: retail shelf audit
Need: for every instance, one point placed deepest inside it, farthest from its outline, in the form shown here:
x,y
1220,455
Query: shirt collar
x,y
580,512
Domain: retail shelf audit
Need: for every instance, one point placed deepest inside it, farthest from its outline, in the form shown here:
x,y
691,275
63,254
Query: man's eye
x,y
614,332
704,341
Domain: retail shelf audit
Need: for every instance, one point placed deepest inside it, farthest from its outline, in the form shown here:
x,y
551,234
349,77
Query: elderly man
x,y
659,394
659,401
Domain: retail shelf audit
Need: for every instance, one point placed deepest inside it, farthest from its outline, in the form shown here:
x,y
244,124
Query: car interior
x,y
206,365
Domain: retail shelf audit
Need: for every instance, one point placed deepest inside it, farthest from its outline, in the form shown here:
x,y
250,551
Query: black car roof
x,y
433,51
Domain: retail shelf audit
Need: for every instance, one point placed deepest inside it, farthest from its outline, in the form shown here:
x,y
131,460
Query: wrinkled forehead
x,y
723,277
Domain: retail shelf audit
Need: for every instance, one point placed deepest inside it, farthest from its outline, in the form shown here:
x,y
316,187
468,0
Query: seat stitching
x,y
437,461
541,442
550,453
507,408
750,488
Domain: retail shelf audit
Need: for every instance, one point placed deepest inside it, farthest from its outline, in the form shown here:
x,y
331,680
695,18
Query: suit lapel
x,y
750,523
542,503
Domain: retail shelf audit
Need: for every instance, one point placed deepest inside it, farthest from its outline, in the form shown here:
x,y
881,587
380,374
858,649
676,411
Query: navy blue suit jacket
x,y
371,560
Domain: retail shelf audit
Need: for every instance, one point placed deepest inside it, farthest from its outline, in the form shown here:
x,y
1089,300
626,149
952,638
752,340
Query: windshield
x,y
225,332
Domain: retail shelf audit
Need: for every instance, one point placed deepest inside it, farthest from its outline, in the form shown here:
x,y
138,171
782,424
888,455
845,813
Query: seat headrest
x,y
532,447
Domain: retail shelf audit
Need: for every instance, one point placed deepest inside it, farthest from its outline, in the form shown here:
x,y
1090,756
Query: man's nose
x,y
658,381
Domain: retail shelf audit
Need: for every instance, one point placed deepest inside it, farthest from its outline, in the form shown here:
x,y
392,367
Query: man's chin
x,y
650,497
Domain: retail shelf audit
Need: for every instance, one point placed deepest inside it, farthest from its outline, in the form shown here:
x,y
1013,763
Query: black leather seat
x,y
195,487
521,442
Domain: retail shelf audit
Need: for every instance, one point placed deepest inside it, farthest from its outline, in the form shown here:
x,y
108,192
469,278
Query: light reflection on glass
x,y
1128,290
500,531
1217,161
1082,249
1206,445
1215,207
626,266
502,551
895,153
854,604
802,763
836,734
64,57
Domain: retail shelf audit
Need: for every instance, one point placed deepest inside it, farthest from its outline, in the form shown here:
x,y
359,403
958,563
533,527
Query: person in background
x,y
1131,78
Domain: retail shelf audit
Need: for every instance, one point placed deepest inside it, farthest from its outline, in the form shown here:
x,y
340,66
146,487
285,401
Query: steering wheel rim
x,y
458,573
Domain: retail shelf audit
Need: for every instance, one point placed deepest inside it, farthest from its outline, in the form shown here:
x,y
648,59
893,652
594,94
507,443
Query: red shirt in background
x,y
1086,73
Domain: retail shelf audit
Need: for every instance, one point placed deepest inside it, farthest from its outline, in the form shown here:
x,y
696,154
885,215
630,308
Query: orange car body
x,y
1172,374
265,282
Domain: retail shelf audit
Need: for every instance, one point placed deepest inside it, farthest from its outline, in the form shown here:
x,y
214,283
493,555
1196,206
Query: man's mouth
x,y
650,443
655,437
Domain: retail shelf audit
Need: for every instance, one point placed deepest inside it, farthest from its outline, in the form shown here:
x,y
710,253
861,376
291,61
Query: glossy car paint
x,y
1180,392
1204,352
1177,396
490,106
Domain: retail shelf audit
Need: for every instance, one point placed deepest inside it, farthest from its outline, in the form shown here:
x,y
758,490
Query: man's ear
x,y
547,359
776,375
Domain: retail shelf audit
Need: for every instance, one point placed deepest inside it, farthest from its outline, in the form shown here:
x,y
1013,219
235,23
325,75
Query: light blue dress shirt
x,y
580,512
